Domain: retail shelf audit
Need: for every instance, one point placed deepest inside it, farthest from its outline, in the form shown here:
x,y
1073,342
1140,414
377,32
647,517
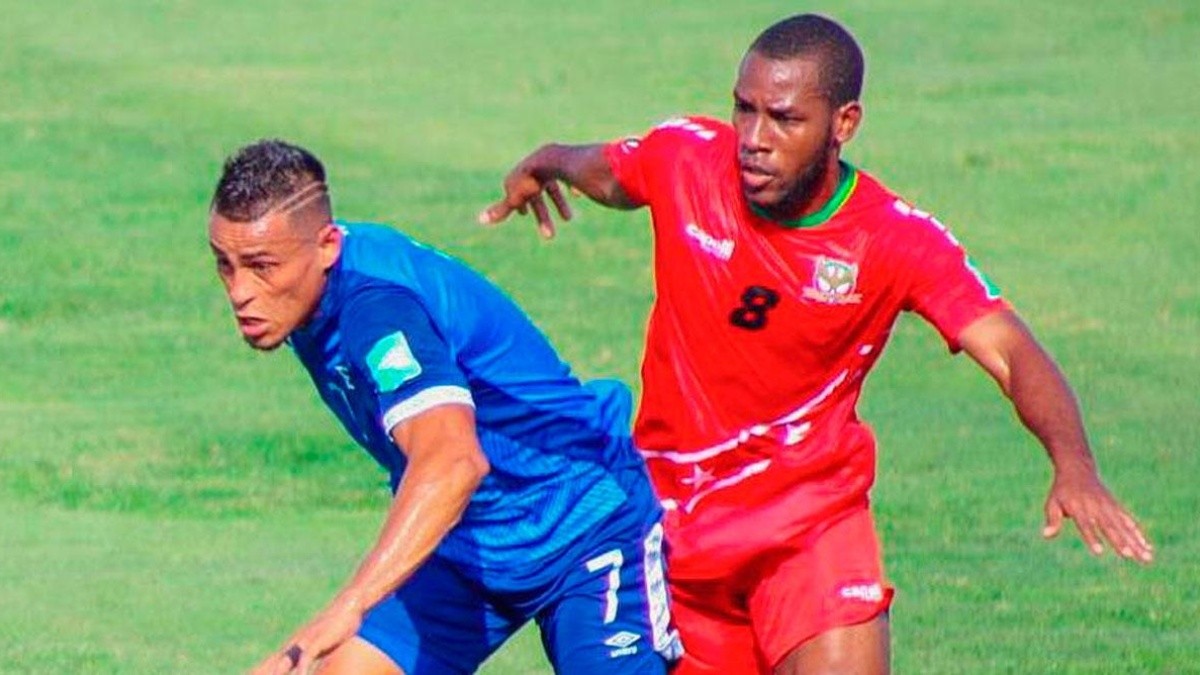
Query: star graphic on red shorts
x,y
699,477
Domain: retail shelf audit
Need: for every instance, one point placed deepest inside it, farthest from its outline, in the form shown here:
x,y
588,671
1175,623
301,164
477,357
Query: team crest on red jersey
x,y
833,282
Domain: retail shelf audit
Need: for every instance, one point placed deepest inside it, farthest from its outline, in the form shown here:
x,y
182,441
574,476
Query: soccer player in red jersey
x,y
780,270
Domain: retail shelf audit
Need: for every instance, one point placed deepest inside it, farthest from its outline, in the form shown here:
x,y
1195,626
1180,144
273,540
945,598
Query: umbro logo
x,y
622,644
622,639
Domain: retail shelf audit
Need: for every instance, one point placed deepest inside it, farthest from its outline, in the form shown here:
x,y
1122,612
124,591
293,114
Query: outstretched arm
x,y
1002,344
445,466
582,167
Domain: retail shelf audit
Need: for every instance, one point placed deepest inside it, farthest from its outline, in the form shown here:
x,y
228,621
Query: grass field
x,y
172,502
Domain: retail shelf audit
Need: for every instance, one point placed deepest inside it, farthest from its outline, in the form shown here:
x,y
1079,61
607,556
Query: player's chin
x,y
763,197
265,343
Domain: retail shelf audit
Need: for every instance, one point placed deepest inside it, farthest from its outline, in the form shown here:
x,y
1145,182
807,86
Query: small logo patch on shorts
x,y
622,644
863,592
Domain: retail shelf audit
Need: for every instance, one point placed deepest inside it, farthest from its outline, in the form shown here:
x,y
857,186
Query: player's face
x,y
789,135
273,272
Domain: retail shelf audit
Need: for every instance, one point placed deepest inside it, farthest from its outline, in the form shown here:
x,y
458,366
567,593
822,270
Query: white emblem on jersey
x,y
833,282
701,132
343,371
796,432
721,248
699,478
622,639
398,358
622,644
864,592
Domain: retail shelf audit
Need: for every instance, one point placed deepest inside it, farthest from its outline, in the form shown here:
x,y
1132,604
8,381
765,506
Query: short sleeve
x,y
627,159
945,286
394,345
651,163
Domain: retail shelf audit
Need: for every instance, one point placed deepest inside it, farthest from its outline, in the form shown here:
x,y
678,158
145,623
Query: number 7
x,y
612,559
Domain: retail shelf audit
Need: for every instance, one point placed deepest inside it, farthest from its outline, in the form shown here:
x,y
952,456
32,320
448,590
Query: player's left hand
x,y
1099,517
317,638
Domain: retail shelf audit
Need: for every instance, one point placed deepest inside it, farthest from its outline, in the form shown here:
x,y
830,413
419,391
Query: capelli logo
x,y
721,248
864,592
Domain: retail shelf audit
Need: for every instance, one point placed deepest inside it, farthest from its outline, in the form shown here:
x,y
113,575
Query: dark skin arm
x,y
445,467
1002,344
582,167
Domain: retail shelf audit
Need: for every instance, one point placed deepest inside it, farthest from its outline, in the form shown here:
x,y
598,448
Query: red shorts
x,y
748,623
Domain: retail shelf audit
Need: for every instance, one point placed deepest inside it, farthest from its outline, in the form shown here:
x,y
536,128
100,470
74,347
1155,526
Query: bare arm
x,y
582,167
445,466
1006,349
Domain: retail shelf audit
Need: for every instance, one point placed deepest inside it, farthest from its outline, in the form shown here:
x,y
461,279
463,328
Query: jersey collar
x,y
846,184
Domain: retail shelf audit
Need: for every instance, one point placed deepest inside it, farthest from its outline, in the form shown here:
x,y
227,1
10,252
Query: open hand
x,y
525,191
1097,515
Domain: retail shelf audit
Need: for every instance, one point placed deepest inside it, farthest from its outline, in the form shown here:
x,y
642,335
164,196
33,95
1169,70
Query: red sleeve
x,y
944,285
627,158
641,164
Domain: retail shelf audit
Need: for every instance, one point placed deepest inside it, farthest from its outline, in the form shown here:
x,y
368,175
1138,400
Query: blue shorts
x,y
608,613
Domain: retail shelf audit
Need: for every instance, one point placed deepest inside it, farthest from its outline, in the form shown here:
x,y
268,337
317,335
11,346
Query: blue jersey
x,y
402,328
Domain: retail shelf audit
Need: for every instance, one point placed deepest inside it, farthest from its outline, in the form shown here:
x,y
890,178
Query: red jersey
x,y
760,337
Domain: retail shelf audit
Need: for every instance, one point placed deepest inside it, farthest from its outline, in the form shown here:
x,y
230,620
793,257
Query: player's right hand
x,y
319,637
525,191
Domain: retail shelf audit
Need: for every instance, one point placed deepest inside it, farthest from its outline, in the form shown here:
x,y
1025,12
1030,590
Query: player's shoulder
x,y
695,130
364,242
693,142
372,256
892,213
699,127
680,133
379,249
359,237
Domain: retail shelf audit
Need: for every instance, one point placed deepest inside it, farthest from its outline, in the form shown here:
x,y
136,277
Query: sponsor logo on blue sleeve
x,y
391,362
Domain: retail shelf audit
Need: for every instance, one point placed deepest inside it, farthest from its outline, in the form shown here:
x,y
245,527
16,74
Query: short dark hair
x,y
261,175
840,60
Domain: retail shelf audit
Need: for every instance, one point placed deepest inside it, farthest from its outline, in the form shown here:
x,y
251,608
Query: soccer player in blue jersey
x,y
518,493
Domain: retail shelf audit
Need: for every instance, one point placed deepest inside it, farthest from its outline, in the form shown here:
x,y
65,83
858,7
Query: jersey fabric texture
x,y
402,328
760,337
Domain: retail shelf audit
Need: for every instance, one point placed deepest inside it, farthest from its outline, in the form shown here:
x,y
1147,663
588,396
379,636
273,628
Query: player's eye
x,y
786,118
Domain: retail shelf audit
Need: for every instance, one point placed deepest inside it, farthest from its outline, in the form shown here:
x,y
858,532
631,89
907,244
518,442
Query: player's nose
x,y
751,134
239,290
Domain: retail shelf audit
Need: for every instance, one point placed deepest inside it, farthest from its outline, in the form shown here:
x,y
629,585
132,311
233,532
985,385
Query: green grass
x,y
172,502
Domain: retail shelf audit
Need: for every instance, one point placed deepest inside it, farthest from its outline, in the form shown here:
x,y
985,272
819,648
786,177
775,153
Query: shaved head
x,y
270,177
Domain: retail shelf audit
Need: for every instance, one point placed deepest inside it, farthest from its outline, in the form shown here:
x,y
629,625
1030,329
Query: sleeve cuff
x,y
424,400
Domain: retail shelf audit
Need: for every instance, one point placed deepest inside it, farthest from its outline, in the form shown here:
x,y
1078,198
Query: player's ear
x,y
846,120
329,245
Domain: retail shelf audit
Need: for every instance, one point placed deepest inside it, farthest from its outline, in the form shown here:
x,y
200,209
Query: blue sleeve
x,y
392,342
